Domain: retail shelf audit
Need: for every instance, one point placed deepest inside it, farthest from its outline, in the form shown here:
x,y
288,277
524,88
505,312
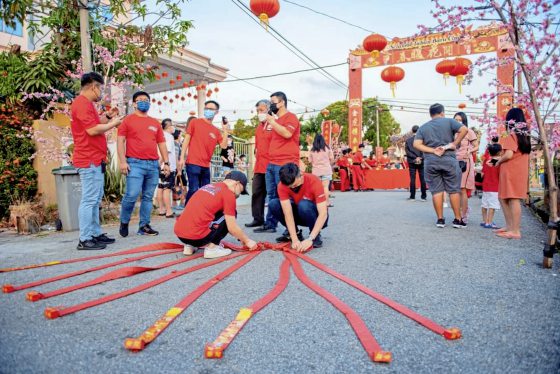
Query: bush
x,y
18,179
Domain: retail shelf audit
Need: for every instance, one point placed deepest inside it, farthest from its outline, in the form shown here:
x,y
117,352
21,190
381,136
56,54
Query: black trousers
x,y
258,197
218,231
412,170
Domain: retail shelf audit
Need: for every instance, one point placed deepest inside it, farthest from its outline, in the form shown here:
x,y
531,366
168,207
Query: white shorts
x,y
490,200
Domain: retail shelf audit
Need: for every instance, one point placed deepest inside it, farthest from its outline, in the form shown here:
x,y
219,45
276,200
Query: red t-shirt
x,y
490,182
194,222
357,157
88,149
371,162
342,162
142,134
311,189
204,138
284,150
262,145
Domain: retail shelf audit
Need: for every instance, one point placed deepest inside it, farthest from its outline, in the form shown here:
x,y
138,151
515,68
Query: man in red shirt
x,y
199,144
343,165
284,148
263,134
210,215
301,201
90,153
138,140
358,164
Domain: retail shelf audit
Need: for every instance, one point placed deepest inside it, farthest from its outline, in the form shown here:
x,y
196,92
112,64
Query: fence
x,y
241,147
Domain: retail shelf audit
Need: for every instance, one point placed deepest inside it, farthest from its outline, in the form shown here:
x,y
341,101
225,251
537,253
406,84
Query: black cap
x,y
240,177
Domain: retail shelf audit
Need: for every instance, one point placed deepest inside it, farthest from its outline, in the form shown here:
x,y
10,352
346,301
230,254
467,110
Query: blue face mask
x,y
143,106
209,114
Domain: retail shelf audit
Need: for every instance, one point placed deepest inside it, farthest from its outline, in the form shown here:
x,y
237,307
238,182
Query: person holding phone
x,y
90,154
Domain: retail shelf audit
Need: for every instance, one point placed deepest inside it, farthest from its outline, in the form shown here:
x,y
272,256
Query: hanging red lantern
x,y
462,106
374,44
177,96
216,90
165,98
170,101
171,82
153,100
445,67
189,94
202,86
209,93
159,103
185,85
392,75
265,9
335,128
192,113
182,98
164,74
191,82
179,77
462,67
195,97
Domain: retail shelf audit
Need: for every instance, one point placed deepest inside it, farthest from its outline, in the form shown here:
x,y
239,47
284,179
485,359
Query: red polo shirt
x,y
194,222
204,138
284,150
262,146
88,149
491,180
142,134
311,189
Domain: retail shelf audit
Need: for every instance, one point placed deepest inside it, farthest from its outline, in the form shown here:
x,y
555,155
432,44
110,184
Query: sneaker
x,y
440,223
265,228
103,239
285,238
123,230
459,223
423,200
318,242
411,199
188,250
147,230
483,224
90,245
217,251
254,224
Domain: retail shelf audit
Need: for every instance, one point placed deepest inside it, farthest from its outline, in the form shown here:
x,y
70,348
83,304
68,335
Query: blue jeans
x,y
92,191
272,179
305,213
142,177
198,176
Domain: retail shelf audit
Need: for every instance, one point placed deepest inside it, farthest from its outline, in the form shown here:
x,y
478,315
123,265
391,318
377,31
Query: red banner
x,y
326,130
355,104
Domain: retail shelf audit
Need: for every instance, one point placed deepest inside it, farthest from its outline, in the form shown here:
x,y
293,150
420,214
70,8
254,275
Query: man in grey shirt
x,y
436,139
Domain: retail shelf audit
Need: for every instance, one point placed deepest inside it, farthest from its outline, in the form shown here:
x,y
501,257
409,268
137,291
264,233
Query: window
x,y
17,30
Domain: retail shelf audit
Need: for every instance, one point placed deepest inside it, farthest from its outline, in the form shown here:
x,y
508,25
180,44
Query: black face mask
x,y
274,108
296,189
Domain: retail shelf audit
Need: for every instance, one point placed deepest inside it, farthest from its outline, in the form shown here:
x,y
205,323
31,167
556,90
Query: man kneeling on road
x,y
210,215
301,201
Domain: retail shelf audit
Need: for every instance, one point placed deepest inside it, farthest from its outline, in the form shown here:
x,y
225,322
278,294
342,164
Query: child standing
x,y
242,164
490,182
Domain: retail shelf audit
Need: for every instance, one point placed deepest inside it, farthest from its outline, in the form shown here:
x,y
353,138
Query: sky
x,y
233,40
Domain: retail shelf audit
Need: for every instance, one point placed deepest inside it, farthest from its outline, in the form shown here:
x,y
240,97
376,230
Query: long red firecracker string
x,y
55,312
138,344
372,348
221,343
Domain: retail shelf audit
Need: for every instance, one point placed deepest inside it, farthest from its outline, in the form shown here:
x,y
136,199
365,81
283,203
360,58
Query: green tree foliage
x,y
245,129
338,111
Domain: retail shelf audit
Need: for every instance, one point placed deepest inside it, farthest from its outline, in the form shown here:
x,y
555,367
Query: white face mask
x,y
262,117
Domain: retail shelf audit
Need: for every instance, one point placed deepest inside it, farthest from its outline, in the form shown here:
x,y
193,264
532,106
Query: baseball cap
x,y
240,177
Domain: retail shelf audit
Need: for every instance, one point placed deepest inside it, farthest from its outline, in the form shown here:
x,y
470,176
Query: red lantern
x,y
182,98
153,100
202,86
171,101
191,82
445,67
374,44
216,90
192,113
164,74
159,103
392,75
171,82
265,9
462,67
158,77
335,128
195,97
179,77
177,96
462,106
185,85
189,94
165,98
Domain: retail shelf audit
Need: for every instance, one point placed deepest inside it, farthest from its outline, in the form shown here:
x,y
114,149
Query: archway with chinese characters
x,y
430,47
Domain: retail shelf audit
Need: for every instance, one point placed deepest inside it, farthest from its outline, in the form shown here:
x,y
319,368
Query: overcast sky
x,y
232,39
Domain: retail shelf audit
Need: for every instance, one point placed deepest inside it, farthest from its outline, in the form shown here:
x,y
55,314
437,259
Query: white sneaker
x,y
215,252
188,250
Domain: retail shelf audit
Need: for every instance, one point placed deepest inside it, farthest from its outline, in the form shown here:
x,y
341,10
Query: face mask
x,y
262,117
209,114
296,189
274,108
143,106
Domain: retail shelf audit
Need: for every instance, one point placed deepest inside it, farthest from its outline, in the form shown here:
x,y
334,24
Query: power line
x,y
286,73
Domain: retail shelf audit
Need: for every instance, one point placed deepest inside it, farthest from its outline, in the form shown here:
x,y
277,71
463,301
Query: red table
x,y
386,179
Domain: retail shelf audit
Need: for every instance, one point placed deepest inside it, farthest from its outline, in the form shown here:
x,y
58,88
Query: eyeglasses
x,y
143,101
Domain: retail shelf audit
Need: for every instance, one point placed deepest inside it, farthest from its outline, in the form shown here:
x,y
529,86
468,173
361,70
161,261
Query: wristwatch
x,y
108,116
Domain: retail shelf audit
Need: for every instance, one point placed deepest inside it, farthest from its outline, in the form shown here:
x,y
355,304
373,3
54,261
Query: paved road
x,y
495,290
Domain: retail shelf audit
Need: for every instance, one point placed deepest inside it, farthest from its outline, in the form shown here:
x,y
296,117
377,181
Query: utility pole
x,y
84,35
377,124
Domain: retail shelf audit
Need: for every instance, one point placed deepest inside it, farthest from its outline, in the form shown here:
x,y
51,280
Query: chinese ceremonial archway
x,y
392,75
374,44
462,67
445,67
265,9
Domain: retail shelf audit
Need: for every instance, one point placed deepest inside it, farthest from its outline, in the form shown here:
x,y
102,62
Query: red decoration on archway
x,y
164,74
265,9
462,67
374,44
392,75
179,77
445,67
185,85
335,128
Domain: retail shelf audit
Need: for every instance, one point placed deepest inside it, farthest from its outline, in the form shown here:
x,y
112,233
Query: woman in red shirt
x,y
514,172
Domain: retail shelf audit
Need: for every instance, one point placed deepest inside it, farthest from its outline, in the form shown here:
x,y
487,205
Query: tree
x,y
245,129
532,27
338,111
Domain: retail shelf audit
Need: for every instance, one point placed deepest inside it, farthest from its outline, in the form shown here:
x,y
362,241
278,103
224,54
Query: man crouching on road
x,y
301,201
210,215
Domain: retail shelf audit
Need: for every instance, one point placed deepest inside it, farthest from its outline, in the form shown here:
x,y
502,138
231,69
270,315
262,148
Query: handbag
x,y
178,189
463,166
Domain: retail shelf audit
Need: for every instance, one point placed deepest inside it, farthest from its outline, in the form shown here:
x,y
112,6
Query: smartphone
x,y
224,120
493,161
270,113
